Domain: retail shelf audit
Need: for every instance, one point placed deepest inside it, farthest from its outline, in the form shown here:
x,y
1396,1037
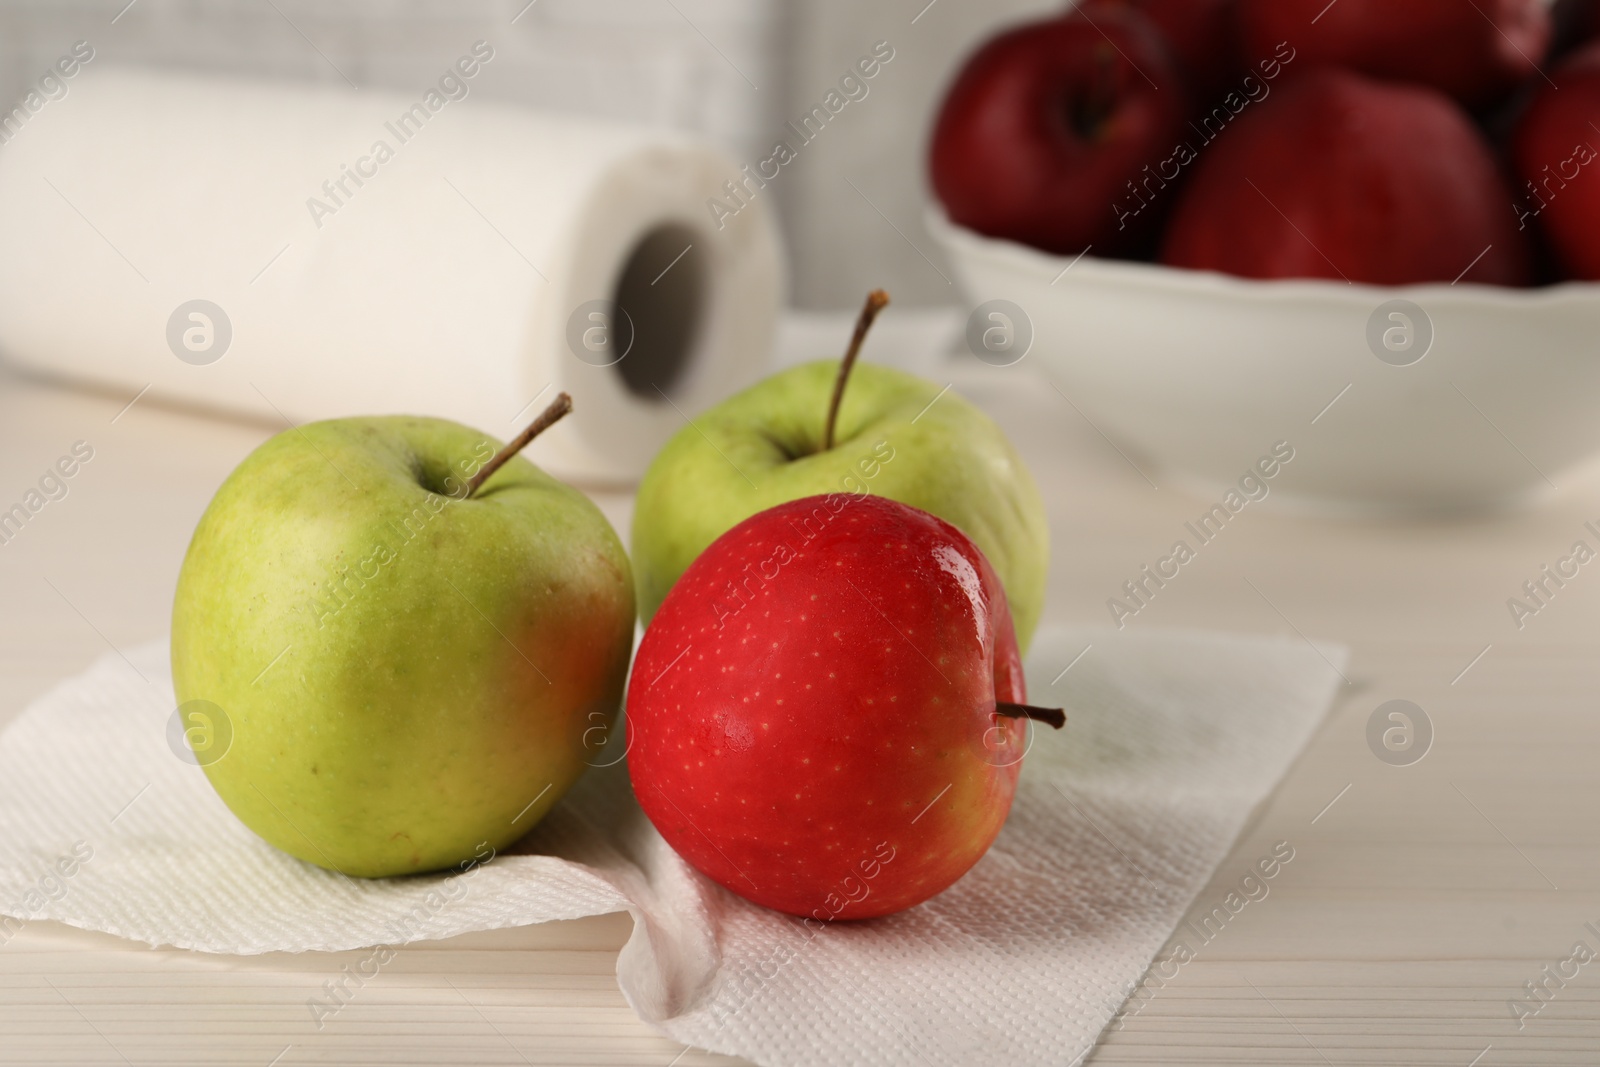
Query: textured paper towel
x,y
1119,822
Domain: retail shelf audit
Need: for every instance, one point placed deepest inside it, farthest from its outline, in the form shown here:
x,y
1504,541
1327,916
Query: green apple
x,y
898,436
411,669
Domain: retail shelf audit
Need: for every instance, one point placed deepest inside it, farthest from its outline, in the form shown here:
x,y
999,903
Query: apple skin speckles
x,y
841,709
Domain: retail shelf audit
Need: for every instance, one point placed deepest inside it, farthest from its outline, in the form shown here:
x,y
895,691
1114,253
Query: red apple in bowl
x,y
1203,36
1475,50
826,714
1047,127
1343,177
1575,21
1554,150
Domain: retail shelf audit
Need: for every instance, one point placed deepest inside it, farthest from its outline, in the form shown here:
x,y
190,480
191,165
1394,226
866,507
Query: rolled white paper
x,y
301,253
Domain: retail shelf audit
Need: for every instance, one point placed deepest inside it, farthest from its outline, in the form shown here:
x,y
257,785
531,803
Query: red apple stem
x,y
547,418
1051,716
877,300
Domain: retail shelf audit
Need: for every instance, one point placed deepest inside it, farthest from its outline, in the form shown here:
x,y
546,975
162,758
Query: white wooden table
x,y
1420,900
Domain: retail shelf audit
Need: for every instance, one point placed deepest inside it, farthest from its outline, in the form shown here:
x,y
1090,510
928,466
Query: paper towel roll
x,y
360,253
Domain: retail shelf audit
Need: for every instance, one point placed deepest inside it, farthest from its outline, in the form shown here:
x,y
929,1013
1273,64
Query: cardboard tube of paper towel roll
x,y
302,253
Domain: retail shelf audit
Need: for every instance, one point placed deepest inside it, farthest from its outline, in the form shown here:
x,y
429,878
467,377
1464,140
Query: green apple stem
x,y
1052,716
547,418
877,300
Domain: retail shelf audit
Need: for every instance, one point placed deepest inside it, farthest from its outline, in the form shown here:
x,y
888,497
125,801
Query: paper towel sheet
x,y
1119,822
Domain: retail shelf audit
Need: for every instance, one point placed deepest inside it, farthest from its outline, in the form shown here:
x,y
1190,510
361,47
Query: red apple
x,y
1048,122
1554,152
1203,36
1339,176
1575,21
821,716
1475,50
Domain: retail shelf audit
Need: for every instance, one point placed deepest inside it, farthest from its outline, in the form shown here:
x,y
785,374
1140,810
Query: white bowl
x,y
1199,374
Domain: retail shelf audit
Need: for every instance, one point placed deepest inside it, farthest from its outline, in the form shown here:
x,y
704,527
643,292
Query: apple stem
x,y
547,418
877,300
1090,111
1053,716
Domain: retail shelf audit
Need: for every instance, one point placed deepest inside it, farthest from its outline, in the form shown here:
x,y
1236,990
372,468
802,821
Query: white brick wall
x,y
634,58
689,64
